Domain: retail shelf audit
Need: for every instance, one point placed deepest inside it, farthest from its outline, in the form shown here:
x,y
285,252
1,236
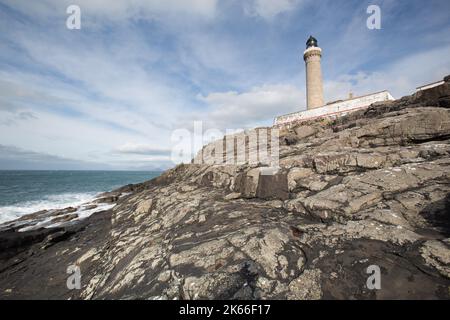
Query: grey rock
x,y
371,187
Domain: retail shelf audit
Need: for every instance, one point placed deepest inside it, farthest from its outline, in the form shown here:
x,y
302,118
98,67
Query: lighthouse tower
x,y
314,86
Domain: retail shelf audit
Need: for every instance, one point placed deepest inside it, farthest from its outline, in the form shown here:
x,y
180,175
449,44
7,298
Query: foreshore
x,y
359,209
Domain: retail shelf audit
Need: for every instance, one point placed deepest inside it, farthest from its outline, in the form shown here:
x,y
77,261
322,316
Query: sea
x,y
24,192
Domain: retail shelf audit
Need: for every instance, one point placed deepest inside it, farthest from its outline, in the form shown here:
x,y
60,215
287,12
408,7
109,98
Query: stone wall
x,y
335,109
430,85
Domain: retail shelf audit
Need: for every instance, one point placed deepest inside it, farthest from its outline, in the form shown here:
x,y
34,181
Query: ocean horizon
x,y
26,191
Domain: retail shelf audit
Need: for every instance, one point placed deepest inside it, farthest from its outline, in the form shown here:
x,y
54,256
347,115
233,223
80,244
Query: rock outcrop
x,y
370,188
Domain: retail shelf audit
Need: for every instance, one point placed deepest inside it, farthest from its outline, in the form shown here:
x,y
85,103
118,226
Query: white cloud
x,y
118,9
92,96
13,158
230,110
141,149
268,9
400,77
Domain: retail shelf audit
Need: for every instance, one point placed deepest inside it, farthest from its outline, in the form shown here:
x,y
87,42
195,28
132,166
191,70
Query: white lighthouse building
x,y
314,85
315,105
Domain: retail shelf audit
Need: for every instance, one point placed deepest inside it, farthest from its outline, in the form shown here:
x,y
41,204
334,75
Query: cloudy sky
x,y
110,95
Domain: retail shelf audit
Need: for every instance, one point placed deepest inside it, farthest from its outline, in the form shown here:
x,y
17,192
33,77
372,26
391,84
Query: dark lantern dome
x,y
312,42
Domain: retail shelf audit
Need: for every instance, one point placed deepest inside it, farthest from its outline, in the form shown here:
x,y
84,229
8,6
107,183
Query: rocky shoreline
x,y
370,188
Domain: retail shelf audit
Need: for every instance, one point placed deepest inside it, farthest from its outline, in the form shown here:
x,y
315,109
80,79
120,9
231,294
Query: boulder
x,y
273,186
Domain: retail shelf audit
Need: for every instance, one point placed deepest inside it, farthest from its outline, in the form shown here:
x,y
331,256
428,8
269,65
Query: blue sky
x,y
111,94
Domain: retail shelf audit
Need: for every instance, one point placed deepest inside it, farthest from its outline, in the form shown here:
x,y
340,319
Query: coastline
x,y
27,192
369,189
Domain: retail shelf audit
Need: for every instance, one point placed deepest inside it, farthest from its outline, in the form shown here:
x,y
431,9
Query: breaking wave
x,y
57,201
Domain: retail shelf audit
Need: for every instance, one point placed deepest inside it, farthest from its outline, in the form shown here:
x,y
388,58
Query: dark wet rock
x,y
34,215
290,139
55,237
90,207
64,218
109,197
68,210
369,188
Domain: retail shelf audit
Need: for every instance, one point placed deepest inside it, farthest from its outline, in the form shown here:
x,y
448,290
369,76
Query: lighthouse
x,y
314,86
316,108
